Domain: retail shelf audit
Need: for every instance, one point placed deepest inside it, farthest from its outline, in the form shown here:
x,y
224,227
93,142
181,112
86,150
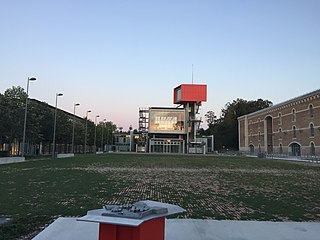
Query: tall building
x,y
290,128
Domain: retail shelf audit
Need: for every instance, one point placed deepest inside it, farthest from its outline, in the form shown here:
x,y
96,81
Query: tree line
x,y
225,128
39,128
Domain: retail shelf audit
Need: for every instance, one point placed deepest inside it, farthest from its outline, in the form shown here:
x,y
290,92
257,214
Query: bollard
x,y
143,220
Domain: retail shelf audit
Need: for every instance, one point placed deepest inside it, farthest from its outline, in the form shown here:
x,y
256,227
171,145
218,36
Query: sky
x,y
114,56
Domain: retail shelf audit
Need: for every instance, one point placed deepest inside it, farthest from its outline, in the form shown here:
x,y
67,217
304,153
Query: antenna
x,y
192,74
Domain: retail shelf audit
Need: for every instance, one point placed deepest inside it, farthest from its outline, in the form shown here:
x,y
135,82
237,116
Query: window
x,y
279,119
179,94
251,148
311,111
294,115
294,132
259,135
280,149
280,133
311,130
312,149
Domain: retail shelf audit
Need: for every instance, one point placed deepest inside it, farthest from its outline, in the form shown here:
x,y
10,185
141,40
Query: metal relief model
x,y
132,214
137,210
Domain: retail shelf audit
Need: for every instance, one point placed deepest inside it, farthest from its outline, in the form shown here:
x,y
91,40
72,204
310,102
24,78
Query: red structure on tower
x,y
190,93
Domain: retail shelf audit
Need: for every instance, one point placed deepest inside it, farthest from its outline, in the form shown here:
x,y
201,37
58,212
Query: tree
x,y
2,119
39,122
210,118
225,129
64,128
16,93
13,105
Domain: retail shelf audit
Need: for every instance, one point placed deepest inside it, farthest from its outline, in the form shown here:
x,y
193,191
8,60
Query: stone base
x,y
6,160
65,155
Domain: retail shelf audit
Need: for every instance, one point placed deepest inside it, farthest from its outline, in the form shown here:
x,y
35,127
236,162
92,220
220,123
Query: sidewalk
x,y
195,229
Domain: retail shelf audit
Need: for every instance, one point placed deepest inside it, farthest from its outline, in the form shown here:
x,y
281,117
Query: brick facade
x,y
289,128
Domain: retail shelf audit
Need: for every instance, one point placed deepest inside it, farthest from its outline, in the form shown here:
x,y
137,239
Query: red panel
x,y
191,93
149,230
126,233
152,230
107,231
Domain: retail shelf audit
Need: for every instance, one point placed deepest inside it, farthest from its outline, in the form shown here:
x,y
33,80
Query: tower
x,y
191,97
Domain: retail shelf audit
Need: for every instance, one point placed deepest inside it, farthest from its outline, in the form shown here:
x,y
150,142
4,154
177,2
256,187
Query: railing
x,y
307,158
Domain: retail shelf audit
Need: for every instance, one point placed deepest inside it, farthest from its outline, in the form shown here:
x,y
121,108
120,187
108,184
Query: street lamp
x,y
103,122
25,115
85,135
74,116
55,124
95,132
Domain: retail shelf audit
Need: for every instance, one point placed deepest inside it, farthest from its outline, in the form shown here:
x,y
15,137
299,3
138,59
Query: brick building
x,y
290,128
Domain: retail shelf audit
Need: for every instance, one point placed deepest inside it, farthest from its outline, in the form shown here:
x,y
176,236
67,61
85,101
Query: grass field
x,y
210,187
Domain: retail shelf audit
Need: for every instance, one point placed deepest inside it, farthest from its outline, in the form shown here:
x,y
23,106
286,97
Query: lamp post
x,y
25,116
103,122
85,134
55,124
95,132
73,124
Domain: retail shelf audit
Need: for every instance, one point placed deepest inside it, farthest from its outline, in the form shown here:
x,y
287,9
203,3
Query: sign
x,y
166,120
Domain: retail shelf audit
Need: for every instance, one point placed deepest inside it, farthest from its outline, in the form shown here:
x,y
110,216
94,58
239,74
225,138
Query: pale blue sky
x,y
116,56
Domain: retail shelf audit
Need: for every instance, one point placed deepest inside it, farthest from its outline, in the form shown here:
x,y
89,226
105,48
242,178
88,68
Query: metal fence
x,y
305,158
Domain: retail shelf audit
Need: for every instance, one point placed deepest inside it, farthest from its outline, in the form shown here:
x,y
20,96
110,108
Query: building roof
x,y
281,104
166,108
52,107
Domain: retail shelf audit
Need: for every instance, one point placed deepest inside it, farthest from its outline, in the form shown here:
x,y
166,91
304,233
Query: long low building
x,y
290,128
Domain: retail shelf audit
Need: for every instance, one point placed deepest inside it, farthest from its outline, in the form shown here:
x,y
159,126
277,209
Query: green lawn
x,y
35,192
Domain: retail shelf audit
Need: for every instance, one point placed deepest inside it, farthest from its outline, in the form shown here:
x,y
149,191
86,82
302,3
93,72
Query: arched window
x,y
294,132
280,133
259,135
311,130
251,148
294,115
279,119
312,149
311,111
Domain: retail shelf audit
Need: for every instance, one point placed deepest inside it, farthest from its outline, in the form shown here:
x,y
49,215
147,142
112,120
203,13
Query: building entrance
x,y
166,146
295,149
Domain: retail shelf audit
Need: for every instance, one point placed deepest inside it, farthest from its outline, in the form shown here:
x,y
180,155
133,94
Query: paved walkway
x,y
194,229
